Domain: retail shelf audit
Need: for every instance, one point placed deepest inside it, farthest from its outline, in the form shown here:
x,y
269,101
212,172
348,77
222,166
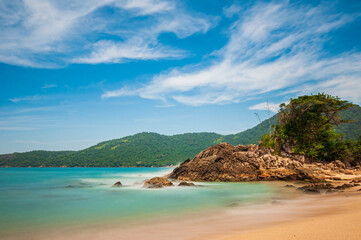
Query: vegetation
x,y
307,126
152,149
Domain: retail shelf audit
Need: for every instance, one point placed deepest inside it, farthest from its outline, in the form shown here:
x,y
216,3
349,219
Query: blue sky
x,y
74,73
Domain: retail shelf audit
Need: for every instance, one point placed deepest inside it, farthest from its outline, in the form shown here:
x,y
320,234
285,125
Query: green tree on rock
x,y
306,126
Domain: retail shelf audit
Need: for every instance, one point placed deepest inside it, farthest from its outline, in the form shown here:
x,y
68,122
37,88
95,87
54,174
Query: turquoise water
x,y
36,198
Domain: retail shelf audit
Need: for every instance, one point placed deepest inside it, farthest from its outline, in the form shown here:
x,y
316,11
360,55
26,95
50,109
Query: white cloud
x,y
112,52
50,33
145,7
272,47
273,107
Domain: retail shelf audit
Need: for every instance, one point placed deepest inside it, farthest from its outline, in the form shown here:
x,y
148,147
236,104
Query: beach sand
x,y
340,224
326,216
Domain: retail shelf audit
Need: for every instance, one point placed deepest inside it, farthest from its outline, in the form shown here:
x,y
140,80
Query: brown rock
x,y
356,180
157,182
117,184
339,164
348,172
186,184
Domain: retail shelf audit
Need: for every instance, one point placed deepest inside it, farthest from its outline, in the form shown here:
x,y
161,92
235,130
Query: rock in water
x,y
186,184
157,182
117,184
228,163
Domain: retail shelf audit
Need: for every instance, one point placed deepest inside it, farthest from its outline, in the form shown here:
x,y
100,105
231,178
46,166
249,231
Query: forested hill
x,y
152,149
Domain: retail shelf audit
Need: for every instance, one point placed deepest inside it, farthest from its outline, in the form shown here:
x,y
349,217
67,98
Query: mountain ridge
x,y
153,149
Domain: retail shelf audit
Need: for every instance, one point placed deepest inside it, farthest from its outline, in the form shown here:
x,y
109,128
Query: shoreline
x,y
230,223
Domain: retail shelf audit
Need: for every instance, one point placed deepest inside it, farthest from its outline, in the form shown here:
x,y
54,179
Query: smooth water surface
x,y
35,198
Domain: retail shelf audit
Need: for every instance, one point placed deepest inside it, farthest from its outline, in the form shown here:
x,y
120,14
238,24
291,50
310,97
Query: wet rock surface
x,y
325,188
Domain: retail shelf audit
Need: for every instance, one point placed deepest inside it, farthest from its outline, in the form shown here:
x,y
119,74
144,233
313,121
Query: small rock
x,y
359,189
186,184
347,185
311,191
157,182
356,180
117,184
157,185
336,178
233,205
330,191
348,172
290,186
339,164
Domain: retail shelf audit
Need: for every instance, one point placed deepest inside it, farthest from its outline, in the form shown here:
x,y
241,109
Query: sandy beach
x,y
339,224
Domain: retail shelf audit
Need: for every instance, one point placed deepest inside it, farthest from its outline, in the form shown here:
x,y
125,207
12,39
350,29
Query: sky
x,y
74,73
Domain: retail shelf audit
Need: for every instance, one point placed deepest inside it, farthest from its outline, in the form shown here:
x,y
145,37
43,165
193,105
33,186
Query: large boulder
x,y
228,163
157,182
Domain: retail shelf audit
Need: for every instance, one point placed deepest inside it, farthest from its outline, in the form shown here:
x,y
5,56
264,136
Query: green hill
x,y
153,149
352,130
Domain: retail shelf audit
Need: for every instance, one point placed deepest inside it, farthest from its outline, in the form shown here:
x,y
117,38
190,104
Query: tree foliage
x,y
307,126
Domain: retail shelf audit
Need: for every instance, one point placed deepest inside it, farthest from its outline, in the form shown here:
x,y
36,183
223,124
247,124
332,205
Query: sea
x,y
41,198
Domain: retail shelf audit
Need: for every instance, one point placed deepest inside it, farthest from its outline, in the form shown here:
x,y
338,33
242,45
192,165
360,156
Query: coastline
x,y
260,221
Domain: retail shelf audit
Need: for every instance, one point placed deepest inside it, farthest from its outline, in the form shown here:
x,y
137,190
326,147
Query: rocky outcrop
x,y
228,163
157,182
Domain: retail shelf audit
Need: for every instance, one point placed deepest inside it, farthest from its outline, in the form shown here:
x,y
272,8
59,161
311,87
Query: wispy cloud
x,y
53,33
271,47
26,99
273,107
113,52
46,86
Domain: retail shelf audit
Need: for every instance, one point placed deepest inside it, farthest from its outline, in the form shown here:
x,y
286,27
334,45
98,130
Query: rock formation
x,y
157,182
228,163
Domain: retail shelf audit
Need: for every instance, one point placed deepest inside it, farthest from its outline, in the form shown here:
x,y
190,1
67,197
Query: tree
x,y
306,126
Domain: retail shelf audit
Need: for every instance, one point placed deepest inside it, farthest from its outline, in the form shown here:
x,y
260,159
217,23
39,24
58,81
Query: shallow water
x,y
37,198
